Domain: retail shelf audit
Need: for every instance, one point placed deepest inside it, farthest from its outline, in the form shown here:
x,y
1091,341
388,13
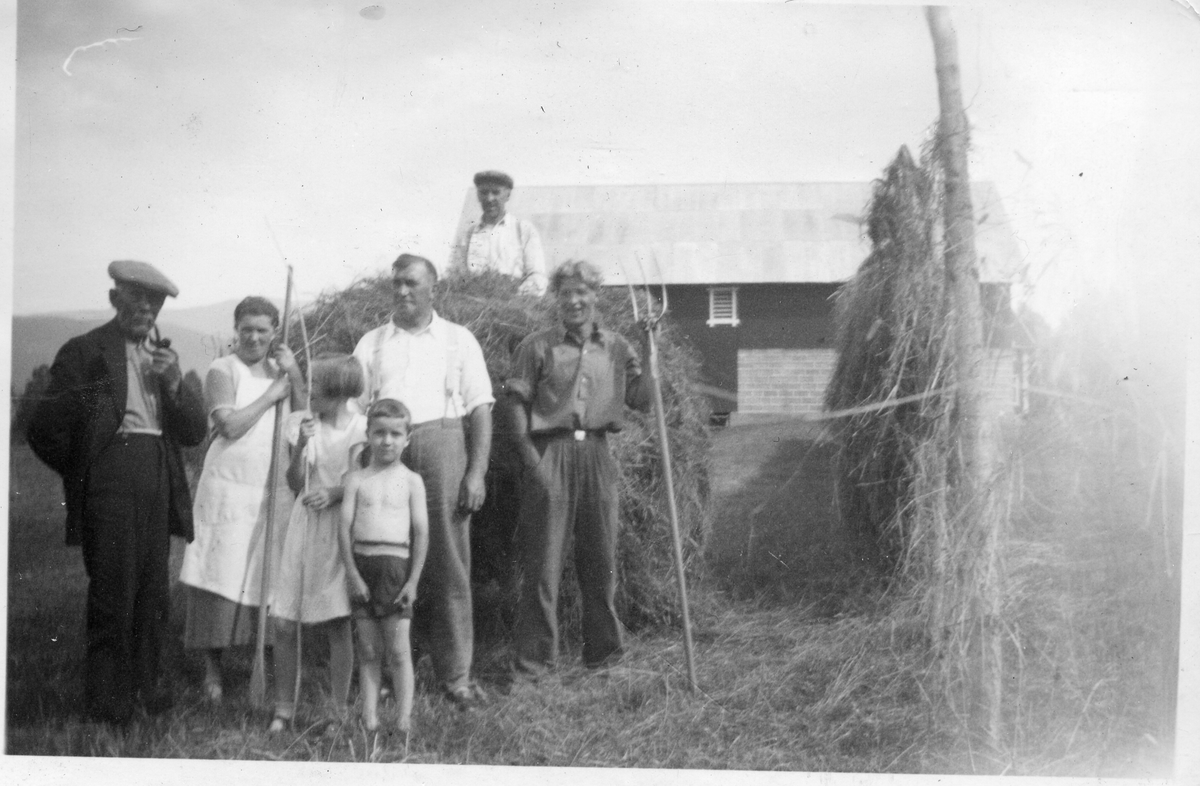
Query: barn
x,y
750,269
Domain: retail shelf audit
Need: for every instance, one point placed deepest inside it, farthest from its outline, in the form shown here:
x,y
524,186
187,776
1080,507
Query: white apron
x,y
311,585
229,512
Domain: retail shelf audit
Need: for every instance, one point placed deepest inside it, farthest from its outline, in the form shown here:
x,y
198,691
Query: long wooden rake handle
x,y
258,676
309,449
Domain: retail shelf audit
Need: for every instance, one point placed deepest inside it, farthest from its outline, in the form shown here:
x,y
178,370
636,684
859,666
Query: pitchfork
x,y
650,325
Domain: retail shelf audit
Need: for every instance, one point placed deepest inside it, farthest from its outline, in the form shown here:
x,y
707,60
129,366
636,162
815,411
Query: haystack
x,y
892,343
500,317
902,473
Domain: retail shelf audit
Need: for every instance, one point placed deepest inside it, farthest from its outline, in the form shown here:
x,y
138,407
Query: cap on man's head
x,y
142,274
493,178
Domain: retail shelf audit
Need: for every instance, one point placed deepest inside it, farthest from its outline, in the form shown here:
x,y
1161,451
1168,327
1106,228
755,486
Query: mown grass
x,y
784,688
789,679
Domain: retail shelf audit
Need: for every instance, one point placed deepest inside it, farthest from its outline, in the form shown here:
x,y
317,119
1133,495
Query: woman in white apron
x,y
222,566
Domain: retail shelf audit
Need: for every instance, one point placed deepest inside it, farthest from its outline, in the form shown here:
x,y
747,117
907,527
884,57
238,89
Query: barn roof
x,y
728,233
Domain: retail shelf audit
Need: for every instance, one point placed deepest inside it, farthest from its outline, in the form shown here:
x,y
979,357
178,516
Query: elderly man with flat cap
x,y
500,241
114,417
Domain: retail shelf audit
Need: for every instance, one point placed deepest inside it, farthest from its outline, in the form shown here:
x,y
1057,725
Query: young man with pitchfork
x,y
569,388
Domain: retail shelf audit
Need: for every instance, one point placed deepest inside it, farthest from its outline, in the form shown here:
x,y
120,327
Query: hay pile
x,y
500,317
893,342
901,472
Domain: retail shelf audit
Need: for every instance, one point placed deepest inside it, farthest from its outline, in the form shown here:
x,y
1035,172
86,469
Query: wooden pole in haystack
x,y
258,676
975,443
660,415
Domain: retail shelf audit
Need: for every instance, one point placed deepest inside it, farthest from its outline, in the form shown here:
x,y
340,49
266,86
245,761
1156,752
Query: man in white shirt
x,y
437,369
499,241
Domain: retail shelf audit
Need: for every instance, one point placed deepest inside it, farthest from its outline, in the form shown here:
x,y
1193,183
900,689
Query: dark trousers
x,y
573,489
443,621
126,547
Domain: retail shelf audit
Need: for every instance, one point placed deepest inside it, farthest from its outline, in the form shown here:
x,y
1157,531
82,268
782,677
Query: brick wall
x,y
792,381
783,381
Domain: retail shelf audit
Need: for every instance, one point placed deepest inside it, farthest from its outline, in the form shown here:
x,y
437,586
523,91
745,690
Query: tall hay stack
x,y
490,306
892,342
902,470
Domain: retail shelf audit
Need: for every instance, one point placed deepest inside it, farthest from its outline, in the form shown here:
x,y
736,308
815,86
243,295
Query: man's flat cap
x,y
130,271
492,177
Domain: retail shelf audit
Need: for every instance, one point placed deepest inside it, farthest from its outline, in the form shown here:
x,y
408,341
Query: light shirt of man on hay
x,y
500,241
437,369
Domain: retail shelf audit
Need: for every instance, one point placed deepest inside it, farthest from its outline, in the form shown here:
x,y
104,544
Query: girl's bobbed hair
x,y
336,376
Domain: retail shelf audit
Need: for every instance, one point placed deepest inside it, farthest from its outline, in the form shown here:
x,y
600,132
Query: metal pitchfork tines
x,y
650,325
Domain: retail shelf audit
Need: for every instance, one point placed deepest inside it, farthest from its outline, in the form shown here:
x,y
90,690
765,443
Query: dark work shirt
x,y
569,385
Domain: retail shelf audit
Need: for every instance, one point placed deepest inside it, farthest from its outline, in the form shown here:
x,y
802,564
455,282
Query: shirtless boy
x,y
384,539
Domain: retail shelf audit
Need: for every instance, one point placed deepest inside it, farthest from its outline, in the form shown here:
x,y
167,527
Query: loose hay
x,y
500,317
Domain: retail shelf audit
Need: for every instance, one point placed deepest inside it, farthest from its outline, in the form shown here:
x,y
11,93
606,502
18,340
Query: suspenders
x,y
522,238
453,368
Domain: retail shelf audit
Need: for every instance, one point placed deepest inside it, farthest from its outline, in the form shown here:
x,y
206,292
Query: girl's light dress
x,y
312,578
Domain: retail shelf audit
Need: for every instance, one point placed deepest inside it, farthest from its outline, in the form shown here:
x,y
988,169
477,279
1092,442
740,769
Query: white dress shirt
x,y
437,372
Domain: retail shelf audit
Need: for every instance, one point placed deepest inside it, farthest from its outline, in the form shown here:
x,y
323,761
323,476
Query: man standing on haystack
x,y
500,241
112,421
437,369
569,387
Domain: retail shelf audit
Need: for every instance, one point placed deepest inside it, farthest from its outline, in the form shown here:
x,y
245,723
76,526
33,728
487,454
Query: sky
x,y
218,139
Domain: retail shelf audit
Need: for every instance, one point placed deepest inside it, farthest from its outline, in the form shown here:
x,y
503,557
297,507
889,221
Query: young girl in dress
x,y
311,588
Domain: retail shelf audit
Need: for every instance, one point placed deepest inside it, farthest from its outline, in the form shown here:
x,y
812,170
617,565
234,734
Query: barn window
x,y
722,306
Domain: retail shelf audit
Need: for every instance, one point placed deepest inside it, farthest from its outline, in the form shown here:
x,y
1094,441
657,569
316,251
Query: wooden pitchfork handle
x,y
258,676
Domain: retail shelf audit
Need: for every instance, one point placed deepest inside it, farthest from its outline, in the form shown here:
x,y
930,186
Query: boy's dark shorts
x,y
385,576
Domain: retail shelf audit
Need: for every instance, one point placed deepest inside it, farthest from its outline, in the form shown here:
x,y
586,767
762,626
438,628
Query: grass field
x,y
802,664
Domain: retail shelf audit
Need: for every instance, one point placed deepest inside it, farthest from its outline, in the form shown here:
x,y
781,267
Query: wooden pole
x,y
304,532
975,441
677,542
258,676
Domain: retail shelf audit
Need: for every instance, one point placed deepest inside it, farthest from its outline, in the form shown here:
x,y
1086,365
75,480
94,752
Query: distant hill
x,y
36,339
198,334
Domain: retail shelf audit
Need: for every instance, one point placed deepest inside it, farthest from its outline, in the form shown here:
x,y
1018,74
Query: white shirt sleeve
x,y
476,385
364,351
534,261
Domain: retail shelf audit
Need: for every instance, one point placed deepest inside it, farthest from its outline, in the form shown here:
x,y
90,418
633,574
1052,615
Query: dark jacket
x,y
82,411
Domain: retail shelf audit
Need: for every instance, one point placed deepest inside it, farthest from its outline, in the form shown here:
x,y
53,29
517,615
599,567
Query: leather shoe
x,y
466,697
